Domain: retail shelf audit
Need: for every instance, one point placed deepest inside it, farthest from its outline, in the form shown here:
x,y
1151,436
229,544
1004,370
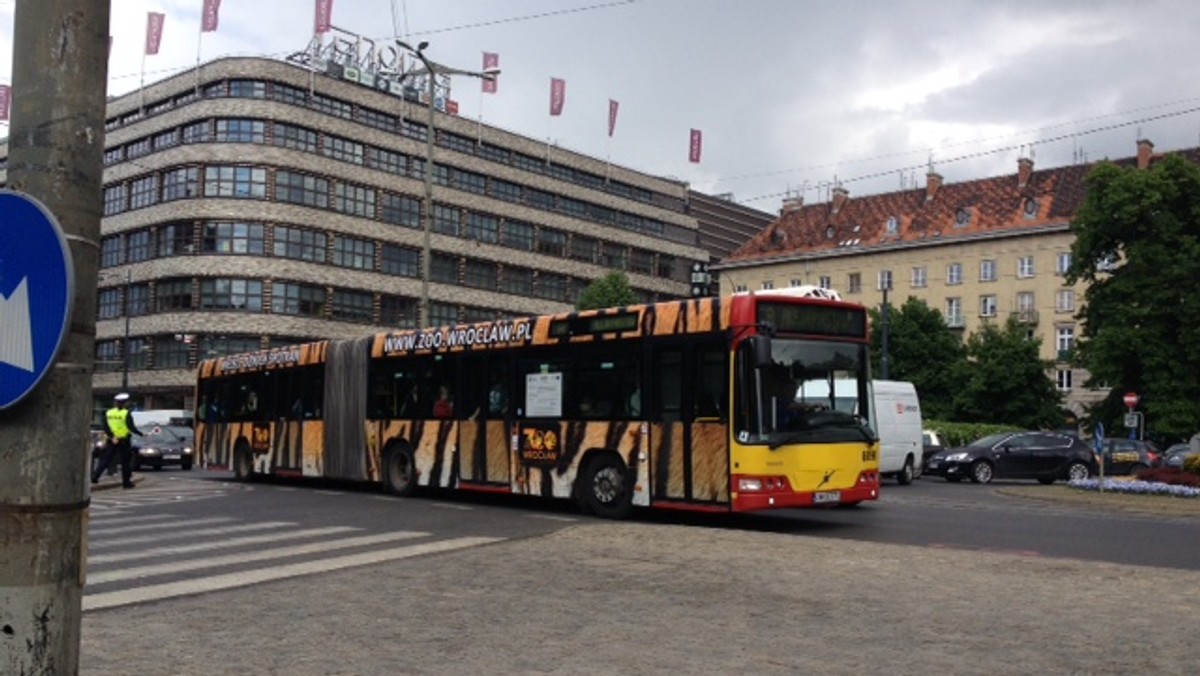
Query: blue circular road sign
x,y
36,292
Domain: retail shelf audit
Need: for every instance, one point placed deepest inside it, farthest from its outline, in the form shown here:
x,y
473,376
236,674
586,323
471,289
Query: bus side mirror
x,y
761,349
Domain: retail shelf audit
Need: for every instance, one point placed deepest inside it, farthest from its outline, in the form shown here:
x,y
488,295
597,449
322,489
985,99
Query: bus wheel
x,y
606,488
399,471
243,463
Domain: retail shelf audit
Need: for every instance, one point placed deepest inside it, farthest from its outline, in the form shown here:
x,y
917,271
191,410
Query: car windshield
x,y
167,434
990,440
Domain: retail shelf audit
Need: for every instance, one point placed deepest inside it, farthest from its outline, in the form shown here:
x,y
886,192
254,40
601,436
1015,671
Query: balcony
x,y
1026,317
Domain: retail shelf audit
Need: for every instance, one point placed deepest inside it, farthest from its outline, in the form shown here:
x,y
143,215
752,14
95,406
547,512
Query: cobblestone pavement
x,y
637,598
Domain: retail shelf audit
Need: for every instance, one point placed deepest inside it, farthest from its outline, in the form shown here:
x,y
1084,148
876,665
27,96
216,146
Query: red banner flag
x,y
612,116
558,95
490,61
694,147
5,96
324,18
154,29
208,20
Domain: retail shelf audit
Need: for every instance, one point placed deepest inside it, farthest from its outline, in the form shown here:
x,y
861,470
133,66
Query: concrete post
x,y
55,154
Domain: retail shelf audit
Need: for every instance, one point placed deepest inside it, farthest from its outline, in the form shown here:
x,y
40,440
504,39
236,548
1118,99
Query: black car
x,y
1129,456
162,445
1045,456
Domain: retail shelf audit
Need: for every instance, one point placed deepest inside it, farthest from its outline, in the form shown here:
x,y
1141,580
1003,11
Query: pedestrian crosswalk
x,y
135,556
160,491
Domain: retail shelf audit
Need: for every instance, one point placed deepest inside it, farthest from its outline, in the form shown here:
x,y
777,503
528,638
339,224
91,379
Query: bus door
x,y
689,423
485,414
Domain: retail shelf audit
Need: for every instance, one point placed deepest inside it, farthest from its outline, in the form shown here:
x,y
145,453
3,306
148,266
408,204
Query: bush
x,y
961,434
1171,476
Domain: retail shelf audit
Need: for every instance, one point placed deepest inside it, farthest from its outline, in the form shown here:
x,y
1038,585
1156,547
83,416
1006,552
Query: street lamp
x,y
431,71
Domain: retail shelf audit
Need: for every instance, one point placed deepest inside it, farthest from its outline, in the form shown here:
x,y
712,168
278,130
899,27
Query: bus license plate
x,y
830,496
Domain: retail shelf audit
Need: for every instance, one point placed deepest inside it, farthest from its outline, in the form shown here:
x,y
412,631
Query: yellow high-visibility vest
x,y
117,422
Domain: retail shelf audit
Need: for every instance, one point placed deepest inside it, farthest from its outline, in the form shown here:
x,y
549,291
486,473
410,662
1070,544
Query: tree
x,y
1004,380
1137,245
922,350
611,290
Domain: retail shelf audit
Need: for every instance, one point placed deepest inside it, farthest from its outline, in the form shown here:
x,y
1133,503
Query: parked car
x,y
1128,456
931,444
1045,456
162,445
1177,454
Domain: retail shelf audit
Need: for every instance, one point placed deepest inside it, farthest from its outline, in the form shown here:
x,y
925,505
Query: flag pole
x,y
142,83
199,44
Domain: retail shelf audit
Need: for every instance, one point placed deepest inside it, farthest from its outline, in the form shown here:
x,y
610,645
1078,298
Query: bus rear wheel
x,y
606,490
399,470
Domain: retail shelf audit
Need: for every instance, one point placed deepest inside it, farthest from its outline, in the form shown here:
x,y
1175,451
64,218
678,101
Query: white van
x,y
162,416
898,425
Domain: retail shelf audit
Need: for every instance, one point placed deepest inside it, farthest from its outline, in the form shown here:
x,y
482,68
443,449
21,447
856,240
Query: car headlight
x,y
187,450
956,456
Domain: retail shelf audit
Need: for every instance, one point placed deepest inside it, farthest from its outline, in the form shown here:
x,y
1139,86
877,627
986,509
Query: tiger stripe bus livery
x,y
706,404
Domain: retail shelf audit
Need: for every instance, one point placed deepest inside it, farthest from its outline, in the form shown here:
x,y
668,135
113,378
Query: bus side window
x,y
668,382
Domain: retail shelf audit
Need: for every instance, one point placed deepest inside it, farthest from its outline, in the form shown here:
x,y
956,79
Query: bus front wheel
x,y
399,471
606,490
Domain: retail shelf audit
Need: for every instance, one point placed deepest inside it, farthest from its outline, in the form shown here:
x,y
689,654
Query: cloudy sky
x,y
790,95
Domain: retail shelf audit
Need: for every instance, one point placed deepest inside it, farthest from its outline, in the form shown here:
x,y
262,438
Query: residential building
x,y
978,251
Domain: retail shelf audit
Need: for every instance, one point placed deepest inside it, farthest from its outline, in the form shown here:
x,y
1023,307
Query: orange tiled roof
x,y
939,212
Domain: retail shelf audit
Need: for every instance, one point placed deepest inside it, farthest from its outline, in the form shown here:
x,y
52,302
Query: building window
x,y
108,355
301,189
1025,301
551,242
483,228
108,303
446,220
551,286
137,354
612,256
768,285
443,268
138,302
296,138
987,271
503,190
854,283
739,288
377,119
398,312
825,282
641,261
143,192
1063,264
197,132
355,200
138,148
1065,339
174,239
443,314
138,243
1025,267
954,273
1062,379
885,280
954,316
480,274
666,266
796,282
987,306
241,131
172,295
1031,209
386,160
400,262
400,210
1064,300
962,217
517,235
304,245
248,89
350,252
920,277
343,149
112,251
583,248
170,353
517,281
233,238
245,182
115,199
231,294
181,183
893,226
352,306
297,299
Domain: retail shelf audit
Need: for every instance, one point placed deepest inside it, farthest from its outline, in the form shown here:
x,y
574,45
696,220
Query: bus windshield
x,y
811,392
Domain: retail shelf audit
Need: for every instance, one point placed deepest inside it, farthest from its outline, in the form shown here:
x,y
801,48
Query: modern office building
x,y
255,202
982,250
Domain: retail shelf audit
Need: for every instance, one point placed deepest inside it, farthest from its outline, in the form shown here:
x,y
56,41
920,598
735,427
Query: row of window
x,y
385,121
348,198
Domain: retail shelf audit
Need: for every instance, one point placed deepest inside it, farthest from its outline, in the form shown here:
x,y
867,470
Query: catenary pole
x,y
55,154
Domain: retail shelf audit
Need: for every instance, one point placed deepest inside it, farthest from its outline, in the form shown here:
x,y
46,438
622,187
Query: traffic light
x,y
701,280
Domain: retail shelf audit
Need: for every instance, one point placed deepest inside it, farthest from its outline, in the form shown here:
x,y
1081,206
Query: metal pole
x,y
884,359
125,345
55,154
427,213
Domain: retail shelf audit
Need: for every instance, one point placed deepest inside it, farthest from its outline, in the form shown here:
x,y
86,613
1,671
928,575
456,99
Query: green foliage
x,y
922,350
611,290
961,434
1004,380
1141,318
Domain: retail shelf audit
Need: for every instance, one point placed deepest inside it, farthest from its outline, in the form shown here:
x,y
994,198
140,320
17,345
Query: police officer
x,y
120,427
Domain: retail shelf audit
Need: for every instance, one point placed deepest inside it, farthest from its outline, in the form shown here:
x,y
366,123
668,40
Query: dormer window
x,y
893,226
1031,208
962,217
829,233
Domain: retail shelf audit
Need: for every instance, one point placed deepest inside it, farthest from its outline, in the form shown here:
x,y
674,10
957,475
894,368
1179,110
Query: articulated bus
x,y
711,404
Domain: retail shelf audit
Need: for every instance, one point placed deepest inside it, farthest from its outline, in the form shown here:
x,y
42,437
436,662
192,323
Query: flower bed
x,y
1136,487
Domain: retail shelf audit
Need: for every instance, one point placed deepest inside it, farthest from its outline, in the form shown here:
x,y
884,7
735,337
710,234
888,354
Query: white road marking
x,y
181,531
218,544
233,580
175,523
233,559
